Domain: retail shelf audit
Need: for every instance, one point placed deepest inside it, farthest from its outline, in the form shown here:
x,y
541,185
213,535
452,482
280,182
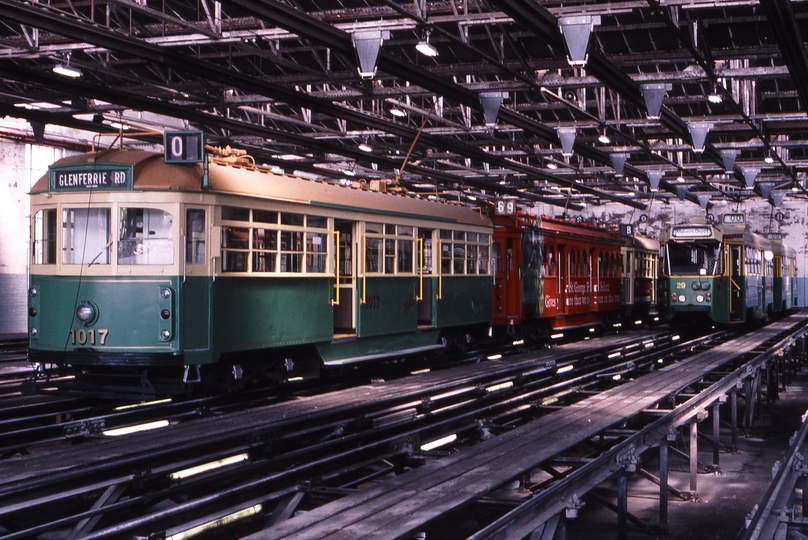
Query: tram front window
x,y
145,237
85,236
703,259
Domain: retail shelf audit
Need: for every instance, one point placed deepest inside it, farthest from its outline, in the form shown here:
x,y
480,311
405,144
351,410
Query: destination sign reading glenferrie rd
x,y
101,176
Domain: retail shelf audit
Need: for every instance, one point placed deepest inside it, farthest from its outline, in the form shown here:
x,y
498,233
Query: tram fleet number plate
x,y
88,337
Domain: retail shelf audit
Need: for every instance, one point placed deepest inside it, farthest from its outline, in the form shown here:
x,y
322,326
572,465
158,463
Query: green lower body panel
x,y
358,350
264,313
465,300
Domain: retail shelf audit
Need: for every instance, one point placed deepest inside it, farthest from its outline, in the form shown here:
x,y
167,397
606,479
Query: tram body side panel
x,y
464,300
389,306
265,312
126,328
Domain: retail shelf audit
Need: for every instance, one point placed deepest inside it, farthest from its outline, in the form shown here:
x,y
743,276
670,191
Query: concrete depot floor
x,y
724,499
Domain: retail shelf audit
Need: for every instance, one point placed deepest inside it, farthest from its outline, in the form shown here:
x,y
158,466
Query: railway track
x,y
334,444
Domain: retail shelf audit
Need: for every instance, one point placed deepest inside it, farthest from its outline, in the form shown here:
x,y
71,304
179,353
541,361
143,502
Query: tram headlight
x,y
85,312
699,298
705,286
682,298
165,335
33,332
32,292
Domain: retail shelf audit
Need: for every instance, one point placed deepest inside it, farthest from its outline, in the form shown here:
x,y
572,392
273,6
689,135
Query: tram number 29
x,y
681,285
88,337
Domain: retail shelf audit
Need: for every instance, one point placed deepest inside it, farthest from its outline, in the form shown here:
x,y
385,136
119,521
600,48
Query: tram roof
x,y
227,176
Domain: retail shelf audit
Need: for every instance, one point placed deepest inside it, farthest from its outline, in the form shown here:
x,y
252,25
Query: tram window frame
x,y
145,236
76,239
389,249
277,242
195,237
45,236
465,253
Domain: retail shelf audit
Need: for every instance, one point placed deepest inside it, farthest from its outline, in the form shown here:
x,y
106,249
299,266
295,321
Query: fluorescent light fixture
x,y
426,48
615,354
500,386
617,325
660,361
604,139
395,111
217,523
420,371
495,357
144,404
550,401
365,148
551,165
564,369
557,336
591,330
677,337
439,442
768,159
715,97
680,179
616,377
294,379
67,71
656,318
638,322
210,466
519,342
134,429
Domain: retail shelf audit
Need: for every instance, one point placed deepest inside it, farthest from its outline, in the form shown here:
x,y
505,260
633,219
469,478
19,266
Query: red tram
x,y
552,275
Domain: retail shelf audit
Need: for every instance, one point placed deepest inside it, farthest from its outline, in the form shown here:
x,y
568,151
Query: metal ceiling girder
x,y
315,30
118,97
784,24
112,40
40,17
545,25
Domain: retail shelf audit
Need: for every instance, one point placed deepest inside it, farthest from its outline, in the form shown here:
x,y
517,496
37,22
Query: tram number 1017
x,y
88,337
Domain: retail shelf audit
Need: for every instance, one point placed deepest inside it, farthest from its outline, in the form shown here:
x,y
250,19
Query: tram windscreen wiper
x,y
100,253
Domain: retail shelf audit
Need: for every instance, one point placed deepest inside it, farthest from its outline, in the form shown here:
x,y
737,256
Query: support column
x,y
733,396
663,485
694,458
749,406
622,505
716,435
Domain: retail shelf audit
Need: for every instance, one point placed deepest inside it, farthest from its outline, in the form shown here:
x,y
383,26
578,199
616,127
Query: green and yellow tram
x,y
169,272
723,273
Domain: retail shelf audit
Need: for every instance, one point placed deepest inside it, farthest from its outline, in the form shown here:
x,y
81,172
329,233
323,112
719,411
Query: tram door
x,y
736,280
423,262
196,283
345,284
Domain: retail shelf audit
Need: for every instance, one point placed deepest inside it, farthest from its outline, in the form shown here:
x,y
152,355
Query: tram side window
x,y
145,237
195,246
85,236
235,249
45,237
496,257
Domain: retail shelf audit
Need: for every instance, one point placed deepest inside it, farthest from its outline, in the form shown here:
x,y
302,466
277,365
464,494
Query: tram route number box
x,y
184,146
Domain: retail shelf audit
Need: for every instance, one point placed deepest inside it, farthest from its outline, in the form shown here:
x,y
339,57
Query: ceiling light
x,y
395,111
66,70
364,147
715,98
426,48
552,165
680,179
604,138
768,159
